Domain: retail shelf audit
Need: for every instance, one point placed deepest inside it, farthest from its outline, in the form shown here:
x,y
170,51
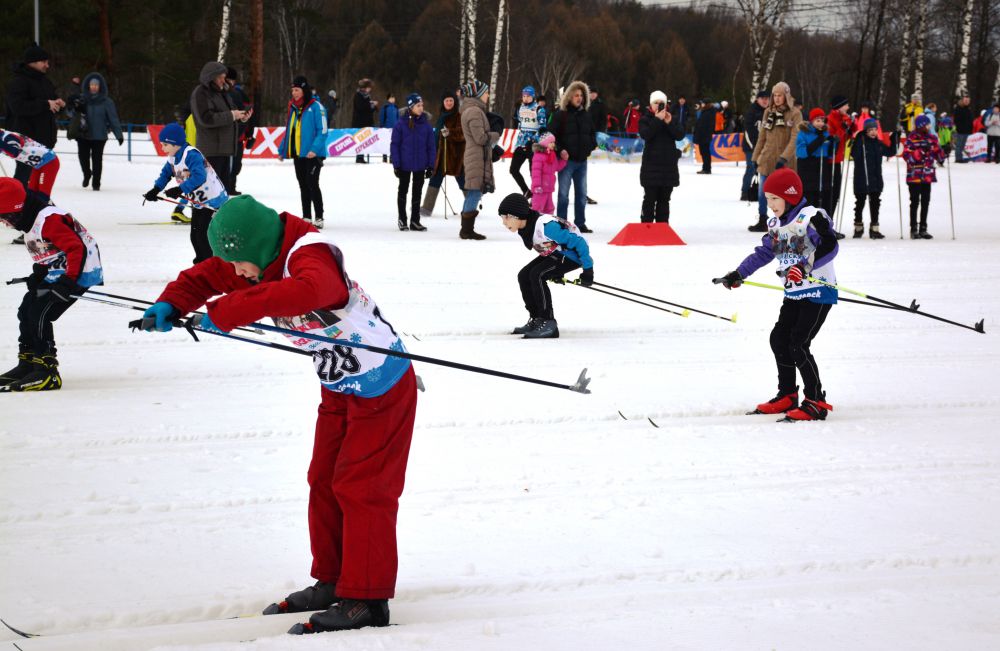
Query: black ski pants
x,y
35,316
307,174
798,323
875,202
920,198
200,220
404,185
223,166
517,159
533,279
705,149
91,155
656,203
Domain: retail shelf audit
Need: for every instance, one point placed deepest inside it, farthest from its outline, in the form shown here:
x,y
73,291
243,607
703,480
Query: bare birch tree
x,y
497,46
996,83
918,65
904,57
556,67
227,6
463,42
962,84
296,23
764,40
471,8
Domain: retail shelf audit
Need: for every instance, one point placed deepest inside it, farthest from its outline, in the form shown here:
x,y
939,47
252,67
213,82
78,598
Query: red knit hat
x,y
816,113
786,184
12,195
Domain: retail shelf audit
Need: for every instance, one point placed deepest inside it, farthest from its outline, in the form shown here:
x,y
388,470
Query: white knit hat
x,y
657,97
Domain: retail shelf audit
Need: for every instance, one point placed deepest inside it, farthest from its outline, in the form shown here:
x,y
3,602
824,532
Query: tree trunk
x,y
759,15
904,58
776,42
877,39
962,85
497,45
256,50
227,5
996,83
104,21
918,69
463,42
880,103
471,7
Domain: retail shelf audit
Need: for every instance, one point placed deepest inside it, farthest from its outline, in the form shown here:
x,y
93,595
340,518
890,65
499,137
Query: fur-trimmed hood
x,y
574,86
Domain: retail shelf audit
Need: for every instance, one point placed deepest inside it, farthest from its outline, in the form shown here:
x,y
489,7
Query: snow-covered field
x,y
163,489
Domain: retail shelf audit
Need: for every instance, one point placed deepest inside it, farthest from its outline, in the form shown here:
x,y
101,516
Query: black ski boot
x,y
759,227
24,366
316,597
543,329
530,325
43,375
346,615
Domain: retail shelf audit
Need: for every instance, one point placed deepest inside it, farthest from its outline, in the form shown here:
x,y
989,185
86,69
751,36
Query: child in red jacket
x,y
280,266
545,165
66,262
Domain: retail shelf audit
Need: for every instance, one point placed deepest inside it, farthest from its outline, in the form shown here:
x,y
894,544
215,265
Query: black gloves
x,y
152,195
398,172
174,192
429,172
66,289
587,277
732,280
38,274
781,163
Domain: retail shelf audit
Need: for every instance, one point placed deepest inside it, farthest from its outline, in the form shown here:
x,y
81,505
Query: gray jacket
x,y
992,124
212,111
99,111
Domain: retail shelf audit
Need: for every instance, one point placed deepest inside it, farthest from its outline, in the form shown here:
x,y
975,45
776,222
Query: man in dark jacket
x,y
364,110
216,118
330,102
962,114
247,130
32,103
598,111
658,174
704,128
751,129
681,113
575,139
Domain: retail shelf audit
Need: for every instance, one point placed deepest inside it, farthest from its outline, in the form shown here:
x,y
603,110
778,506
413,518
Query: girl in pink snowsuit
x,y
545,165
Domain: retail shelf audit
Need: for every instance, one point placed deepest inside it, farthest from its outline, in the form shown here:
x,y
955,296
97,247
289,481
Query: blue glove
x,y
163,313
204,322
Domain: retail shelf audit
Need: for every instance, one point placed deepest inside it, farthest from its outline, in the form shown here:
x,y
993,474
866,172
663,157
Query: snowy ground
x,y
164,487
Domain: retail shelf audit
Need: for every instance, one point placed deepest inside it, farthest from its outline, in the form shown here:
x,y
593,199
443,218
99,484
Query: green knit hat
x,y
245,230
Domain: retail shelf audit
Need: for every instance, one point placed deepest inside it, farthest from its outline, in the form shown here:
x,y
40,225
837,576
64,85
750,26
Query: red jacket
x,y
315,282
631,116
837,124
58,229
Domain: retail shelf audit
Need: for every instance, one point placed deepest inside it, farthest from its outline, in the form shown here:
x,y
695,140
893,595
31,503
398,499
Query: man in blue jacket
x,y
305,144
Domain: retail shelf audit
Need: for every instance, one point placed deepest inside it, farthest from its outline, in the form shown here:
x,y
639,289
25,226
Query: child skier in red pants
x,y
280,266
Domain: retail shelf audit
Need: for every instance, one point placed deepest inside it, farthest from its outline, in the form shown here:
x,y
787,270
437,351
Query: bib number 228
x,y
333,364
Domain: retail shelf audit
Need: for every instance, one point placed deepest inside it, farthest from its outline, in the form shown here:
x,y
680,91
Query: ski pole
x,y
580,386
685,313
951,205
660,300
839,298
190,202
914,306
899,194
144,302
147,322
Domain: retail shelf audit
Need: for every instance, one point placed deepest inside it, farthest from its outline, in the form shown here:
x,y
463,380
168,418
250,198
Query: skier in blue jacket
x,y
305,144
560,247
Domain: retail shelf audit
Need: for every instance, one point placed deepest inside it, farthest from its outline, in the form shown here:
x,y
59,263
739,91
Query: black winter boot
x,y
543,329
530,325
859,230
24,366
759,227
346,615
874,233
401,222
316,597
43,375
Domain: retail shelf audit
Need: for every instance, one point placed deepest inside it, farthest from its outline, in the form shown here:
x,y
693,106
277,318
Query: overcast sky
x,y
813,14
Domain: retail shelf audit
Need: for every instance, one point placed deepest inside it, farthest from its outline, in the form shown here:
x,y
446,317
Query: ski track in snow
x,y
163,489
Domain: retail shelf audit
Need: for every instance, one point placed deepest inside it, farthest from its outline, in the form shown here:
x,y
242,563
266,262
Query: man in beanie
x,y
197,184
280,266
32,104
305,144
801,238
66,261
560,247
751,131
